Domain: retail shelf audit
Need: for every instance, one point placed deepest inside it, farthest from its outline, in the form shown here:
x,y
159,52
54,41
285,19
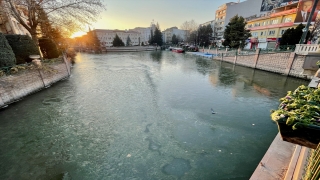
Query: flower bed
x,y
298,116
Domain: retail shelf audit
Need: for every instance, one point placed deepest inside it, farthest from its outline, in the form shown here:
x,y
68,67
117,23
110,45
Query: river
x,y
144,115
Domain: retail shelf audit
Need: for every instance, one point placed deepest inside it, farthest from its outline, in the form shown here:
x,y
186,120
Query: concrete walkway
x,y
282,161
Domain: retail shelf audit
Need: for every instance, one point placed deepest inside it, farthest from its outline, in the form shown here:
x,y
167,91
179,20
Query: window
x,y
282,31
288,19
261,34
272,32
256,24
275,21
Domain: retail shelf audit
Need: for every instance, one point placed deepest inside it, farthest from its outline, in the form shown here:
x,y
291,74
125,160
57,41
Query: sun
x,y
77,34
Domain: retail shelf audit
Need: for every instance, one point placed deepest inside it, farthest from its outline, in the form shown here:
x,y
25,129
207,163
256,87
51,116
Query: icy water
x,y
144,116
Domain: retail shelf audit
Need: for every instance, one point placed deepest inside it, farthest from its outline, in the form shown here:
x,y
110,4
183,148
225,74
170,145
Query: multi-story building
x,y
267,30
106,36
8,24
145,33
168,33
226,11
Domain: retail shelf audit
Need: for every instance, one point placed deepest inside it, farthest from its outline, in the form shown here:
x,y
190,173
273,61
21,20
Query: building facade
x,y
145,33
267,30
168,33
106,36
226,11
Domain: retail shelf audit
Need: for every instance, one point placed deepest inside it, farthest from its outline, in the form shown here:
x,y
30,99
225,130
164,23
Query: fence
x,y
312,171
22,80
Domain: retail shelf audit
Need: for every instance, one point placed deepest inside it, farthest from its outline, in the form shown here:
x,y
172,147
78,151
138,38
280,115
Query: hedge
x,y
48,48
7,57
22,46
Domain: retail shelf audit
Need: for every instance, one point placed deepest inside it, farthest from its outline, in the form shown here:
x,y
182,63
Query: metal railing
x,y
312,171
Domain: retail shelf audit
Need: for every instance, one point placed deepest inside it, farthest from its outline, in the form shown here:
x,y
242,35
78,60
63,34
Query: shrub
x,y
22,46
48,48
7,57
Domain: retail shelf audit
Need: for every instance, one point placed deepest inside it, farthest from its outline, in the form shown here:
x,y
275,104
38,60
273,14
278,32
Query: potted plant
x,y
318,63
298,116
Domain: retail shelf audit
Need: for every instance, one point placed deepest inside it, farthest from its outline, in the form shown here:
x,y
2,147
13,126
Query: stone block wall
x,y
276,62
16,86
286,63
296,68
248,60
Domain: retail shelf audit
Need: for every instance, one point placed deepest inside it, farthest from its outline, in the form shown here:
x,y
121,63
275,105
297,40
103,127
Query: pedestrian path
x,y
206,55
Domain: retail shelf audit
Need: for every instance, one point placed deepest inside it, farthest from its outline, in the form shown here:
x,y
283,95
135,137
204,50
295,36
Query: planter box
x,y
305,136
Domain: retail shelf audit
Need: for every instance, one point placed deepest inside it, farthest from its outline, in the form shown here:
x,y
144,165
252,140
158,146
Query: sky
x,y
128,14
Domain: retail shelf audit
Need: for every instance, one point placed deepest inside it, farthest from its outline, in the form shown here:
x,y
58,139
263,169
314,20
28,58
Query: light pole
x,y
305,30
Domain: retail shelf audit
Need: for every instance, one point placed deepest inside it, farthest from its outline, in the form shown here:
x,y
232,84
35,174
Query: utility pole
x,y
306,29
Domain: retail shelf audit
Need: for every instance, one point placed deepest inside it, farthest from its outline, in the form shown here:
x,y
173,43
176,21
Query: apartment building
x,y
228,10
145,33
106,36
168,33
267,30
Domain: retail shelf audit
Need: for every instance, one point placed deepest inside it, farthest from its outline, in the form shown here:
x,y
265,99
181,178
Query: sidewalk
x,y
282,161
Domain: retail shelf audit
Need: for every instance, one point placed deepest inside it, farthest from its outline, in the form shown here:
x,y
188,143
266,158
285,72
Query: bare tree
x,y
189,26
315,29
71,15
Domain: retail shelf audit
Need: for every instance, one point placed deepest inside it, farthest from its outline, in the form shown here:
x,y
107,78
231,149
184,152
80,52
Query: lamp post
x,y
305,30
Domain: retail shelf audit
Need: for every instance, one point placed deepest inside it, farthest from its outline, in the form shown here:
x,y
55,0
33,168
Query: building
x,y
168,33
226,11
8,24
106,36
267,30
145,33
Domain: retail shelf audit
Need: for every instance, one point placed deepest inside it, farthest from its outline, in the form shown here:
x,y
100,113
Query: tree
x,y
174,40
292,35
157,37
68,14
92,41
117,41
314,30
189,26
7,57
235,34
151,40
204,35
128,41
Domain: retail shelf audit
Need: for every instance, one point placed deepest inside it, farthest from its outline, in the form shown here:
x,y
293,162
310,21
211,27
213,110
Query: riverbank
x,y
25,82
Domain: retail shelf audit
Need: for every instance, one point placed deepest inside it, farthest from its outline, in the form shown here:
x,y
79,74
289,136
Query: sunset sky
x,y
128,14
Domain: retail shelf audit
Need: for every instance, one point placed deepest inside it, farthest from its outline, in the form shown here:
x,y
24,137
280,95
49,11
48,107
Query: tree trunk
x,y
35,40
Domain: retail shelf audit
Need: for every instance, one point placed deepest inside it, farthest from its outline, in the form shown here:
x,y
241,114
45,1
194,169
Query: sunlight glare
x,y
77,34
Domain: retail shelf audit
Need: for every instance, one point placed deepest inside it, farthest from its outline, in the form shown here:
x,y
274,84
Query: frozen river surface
x,y
144,116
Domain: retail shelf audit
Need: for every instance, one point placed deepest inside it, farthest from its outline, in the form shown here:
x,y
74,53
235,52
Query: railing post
x,y
290,62
256,57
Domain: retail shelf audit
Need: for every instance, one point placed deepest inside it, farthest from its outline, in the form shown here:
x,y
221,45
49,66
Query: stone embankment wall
x,y
132,48
25,82
286,63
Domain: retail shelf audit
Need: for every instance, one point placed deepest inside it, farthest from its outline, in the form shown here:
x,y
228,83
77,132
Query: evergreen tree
x,y
157,38
7,57
292,35
235,34
117,41
174,40
204,35
128,41
93,42
151,40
